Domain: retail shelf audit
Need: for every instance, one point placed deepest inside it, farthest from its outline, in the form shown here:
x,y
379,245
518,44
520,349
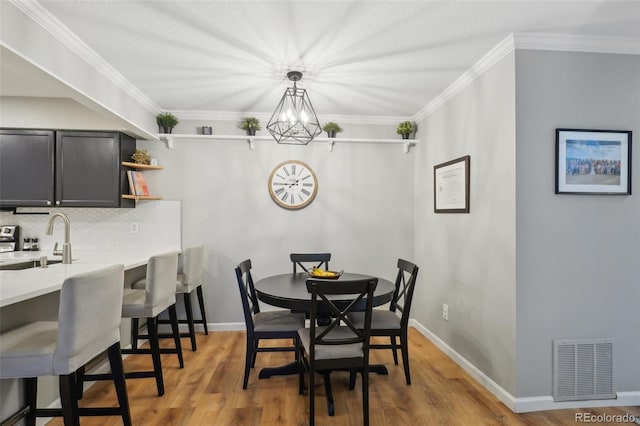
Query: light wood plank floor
x,y
208,391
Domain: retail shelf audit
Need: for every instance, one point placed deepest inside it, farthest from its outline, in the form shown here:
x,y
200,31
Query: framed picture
x,y
593,161
451,186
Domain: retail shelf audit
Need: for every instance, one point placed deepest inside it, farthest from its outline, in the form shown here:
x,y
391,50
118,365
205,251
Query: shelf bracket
x,y
251,144
331,145
169,141
407,146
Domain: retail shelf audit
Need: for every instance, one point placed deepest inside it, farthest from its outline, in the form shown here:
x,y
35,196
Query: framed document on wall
x,y
451,186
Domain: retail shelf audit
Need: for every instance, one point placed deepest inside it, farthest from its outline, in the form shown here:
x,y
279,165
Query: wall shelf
x,y
141,166
141,197
169,138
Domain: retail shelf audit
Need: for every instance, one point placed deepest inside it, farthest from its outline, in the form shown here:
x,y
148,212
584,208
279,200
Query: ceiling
x,y
359,58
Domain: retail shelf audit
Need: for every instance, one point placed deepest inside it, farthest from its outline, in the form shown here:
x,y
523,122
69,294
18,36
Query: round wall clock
x,y
293,184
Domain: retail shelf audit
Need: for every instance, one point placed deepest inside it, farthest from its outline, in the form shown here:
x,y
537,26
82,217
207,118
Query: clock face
x,y
293,184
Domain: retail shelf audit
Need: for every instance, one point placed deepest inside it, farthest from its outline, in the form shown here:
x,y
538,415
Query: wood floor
x,y
208,391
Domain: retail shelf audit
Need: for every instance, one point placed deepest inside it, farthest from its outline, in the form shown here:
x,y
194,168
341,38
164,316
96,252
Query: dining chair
x,y
189,279
89,317
315,259
340,344
388,322
263,325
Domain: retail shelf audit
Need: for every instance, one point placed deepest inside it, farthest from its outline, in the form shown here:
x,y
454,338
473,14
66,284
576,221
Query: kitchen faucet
x,y
66,248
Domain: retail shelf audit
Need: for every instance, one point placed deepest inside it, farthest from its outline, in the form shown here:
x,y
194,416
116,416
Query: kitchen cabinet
x,y
84,168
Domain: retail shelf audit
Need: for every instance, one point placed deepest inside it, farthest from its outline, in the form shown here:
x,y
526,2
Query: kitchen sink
x,y
18,266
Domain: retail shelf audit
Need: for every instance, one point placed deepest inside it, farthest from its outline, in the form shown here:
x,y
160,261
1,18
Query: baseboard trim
x,y
526,404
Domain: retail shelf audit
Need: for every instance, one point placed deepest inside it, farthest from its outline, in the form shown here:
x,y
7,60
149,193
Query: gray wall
x,y
468,260
578,256
363,212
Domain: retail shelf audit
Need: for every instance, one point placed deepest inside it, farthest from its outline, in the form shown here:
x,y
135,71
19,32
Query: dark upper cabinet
x,y
27,172
85,169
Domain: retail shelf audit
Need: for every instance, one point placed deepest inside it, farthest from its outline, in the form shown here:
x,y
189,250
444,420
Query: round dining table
x,y
290,291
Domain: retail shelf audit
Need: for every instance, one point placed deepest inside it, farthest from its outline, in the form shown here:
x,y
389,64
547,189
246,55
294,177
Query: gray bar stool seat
x,y
88,324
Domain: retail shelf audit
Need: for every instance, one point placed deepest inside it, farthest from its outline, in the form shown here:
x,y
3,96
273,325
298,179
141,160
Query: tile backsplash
x,y
158,226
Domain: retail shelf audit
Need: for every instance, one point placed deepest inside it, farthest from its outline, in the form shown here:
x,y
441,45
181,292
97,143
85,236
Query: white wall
x,y
578,256
363,212
468,260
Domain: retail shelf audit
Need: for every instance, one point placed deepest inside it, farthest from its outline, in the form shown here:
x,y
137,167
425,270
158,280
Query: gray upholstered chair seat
x,y
133,304
181,286
353,350
380,319
277,321
28,351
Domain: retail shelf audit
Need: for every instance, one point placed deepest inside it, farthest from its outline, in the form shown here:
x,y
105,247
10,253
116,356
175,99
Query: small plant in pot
x,y
166,122
331,129
405,129
250,125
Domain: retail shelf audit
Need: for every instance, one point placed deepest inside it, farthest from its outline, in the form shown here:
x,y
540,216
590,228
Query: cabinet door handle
x,y
48,202
58,203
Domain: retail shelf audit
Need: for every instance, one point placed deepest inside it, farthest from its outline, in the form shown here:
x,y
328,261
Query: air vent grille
x,y
583,369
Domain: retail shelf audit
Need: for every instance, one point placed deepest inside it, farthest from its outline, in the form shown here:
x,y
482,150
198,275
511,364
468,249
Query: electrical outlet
x,y
134,227
445,312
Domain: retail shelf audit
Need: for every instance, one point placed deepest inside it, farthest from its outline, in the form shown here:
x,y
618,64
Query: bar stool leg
x,y
189,311
68,399
30,397
154,344
135,325
117,371
202,313
176,333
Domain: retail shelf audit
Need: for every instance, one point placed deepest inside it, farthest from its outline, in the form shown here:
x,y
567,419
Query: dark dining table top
x,y
290,290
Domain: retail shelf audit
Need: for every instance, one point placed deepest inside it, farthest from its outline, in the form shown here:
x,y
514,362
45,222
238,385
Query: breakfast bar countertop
x,y
20,285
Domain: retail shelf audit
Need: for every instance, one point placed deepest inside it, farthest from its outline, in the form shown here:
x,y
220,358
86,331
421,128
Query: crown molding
x,y
485,63
40,15
577,43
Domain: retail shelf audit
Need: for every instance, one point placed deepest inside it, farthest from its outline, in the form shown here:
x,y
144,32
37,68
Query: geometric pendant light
x,y
294,121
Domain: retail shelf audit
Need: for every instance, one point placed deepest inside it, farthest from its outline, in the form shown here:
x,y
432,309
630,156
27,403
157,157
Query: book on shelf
x,y
137,183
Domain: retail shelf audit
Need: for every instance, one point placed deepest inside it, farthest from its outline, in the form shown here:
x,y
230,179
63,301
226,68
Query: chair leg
x,y
249,355
365,396
30,397
80,383
117,371
176,333
254,352
312,397
202,313
405,356
189,311
352,379
68,399
135,325
394,348
329,393
154,344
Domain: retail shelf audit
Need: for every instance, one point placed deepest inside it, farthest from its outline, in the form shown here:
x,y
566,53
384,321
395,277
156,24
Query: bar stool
x,y
190,279
88,324
158,295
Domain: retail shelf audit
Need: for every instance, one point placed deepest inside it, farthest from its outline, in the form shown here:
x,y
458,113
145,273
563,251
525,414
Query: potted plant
x,y
331,129
250,125
405,129
166,122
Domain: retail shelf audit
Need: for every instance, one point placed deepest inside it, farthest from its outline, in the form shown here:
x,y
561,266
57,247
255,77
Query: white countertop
x,y
20,285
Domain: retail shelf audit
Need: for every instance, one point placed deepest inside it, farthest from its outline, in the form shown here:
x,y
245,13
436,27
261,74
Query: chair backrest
x,y
319,260
160,288
247,293
403,293
89,317
193,265
340,330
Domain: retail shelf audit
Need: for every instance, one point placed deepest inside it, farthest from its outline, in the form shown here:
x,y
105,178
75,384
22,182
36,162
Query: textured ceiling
x,y
359,58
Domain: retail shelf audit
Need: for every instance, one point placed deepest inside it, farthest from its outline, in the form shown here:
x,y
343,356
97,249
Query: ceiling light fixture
x,y
294,121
